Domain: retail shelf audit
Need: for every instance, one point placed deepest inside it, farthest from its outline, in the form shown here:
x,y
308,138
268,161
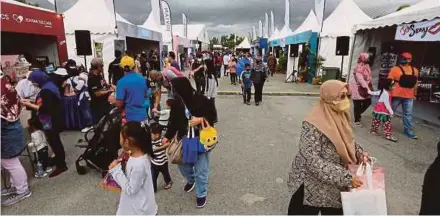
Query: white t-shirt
x,y
26,89
226,60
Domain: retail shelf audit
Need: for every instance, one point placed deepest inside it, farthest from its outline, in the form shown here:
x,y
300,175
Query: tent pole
x,y
342,68
350,60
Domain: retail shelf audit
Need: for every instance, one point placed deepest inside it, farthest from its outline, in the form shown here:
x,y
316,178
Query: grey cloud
x,y
234,16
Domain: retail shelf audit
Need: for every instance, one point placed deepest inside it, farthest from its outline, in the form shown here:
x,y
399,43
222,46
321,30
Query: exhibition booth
x,y
415,29
35,33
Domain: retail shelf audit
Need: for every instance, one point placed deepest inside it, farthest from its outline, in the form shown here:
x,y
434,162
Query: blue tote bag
x,y
190,146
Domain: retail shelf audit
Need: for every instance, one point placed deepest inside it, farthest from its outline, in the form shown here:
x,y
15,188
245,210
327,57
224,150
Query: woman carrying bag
x,y
360,83
202,112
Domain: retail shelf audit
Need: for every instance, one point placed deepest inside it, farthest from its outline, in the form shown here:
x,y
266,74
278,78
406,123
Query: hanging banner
x,y
420,31
260,29
287,14
185,25
272,23
319,10
167,17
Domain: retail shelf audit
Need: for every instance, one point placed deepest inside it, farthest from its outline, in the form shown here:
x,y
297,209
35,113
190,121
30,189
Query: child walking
x,y
39,148
137,193
159,164
246,84
383,112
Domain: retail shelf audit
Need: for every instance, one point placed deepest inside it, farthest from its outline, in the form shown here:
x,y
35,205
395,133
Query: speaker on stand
x,y
83,44
293,50
342,48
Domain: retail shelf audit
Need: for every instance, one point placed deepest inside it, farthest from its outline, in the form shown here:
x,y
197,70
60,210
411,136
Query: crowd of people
x,y
327,144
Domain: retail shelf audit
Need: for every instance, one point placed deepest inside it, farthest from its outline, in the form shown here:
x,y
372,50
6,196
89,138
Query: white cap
x,y
61,72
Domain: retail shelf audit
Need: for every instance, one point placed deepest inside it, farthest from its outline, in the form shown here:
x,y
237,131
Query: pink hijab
x,y
362,66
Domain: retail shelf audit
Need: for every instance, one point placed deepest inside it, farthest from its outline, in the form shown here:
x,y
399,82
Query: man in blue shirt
x,y
131,92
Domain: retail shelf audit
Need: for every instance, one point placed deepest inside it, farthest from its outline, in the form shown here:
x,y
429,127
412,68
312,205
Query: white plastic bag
x,y
367,201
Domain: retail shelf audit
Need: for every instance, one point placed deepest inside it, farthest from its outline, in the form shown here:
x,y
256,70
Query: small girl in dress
x,y
137,193
383,112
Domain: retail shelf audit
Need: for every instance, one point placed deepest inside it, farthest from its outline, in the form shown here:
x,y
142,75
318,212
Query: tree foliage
x,y
226,40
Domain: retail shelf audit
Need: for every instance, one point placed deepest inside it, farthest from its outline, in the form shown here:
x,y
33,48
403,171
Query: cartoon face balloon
x,y
208,136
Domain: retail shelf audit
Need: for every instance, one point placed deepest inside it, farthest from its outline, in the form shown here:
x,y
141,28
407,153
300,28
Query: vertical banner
x,y
287,14
185,25
167,18
272,23
250,36
254,32
260,29
319,10
266,26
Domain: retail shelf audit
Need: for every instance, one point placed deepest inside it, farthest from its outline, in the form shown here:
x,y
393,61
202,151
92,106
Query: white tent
x,y
424,10
100,22
275,35
309,24
244,44
340,23
285,32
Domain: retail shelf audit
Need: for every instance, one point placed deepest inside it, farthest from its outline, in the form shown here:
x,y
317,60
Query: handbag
x,y
378,175
174,151
364,200
190,144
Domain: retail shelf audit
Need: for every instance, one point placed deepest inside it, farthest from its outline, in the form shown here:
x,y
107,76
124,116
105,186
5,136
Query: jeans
x,y
247,94
258,92
155,170
197,173
225,67
360,106
18,174
85,113
407,107
54,140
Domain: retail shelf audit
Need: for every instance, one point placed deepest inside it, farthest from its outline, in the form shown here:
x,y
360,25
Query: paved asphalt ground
x,y
248,168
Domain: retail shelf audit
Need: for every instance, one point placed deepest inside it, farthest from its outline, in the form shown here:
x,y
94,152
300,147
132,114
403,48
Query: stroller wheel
x,y
81,170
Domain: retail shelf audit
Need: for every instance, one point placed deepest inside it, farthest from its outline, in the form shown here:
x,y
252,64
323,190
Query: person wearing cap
x,y
99,90
406,77
132,92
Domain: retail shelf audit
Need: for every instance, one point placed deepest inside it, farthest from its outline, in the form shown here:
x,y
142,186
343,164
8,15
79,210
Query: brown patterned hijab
x,y
335,125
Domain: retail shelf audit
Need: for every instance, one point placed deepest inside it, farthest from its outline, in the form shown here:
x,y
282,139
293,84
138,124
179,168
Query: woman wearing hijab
x,y
199,108
319,172
13,144
360,83
49,113
431,188
258,77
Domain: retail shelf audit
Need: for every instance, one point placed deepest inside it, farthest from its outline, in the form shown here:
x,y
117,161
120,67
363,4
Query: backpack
x,y
407,81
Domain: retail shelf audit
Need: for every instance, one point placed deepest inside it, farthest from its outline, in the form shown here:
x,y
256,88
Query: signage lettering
x,y
421,31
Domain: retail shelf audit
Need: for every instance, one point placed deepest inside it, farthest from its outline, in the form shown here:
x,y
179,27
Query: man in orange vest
x,y
406,77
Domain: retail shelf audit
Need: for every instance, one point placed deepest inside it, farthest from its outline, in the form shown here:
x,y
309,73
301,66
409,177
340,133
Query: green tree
x,y
403,7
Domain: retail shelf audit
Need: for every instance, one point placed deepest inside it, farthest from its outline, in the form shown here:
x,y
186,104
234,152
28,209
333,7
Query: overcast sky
x,y
234,16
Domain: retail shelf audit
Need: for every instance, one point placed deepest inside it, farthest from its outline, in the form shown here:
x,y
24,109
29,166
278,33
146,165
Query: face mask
x,y
403,61
342,105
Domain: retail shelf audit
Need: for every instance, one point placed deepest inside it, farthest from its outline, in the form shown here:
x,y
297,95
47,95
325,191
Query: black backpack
x,y
407,81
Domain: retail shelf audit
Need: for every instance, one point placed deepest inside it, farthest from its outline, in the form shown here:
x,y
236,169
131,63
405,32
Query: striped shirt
x,y
160,156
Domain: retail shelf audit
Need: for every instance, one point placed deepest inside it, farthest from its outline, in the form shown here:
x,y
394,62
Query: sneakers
x,y
48,170
189,187
201,202
15,198
9,191
168,185
411,134
42,175
86,129
57,171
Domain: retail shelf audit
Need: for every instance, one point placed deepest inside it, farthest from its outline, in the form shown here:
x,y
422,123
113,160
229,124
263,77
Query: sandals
x,y
168,186
373,133
391,138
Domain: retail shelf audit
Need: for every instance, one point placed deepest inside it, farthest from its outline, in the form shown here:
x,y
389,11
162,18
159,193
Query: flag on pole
x,y
185,25
260,29
287,14
254,32
167,17
319,10
272,23
266,26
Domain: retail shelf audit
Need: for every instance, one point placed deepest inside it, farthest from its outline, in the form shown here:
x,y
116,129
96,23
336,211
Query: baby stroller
x,y
102,148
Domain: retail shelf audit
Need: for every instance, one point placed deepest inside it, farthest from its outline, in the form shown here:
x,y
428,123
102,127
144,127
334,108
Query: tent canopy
x,y
285,32
244,44
425,10
100,20
195,32
309,24
342,19
275,35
